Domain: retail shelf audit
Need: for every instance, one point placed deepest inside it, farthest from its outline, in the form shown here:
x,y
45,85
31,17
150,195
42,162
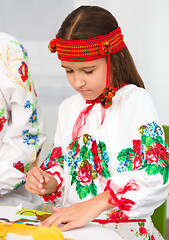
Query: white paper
x,y
10,213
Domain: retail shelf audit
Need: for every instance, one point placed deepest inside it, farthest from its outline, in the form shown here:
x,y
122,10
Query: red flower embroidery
x,y
52,164
137,162
84,174
94,148
118,215
161,151
98,165
143,230
97,159
23,70
20,166
151,238
2,121
151,156
137,146
56,153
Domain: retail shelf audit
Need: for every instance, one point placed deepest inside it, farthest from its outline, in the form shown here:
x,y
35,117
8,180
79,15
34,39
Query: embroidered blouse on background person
x,y
109,161
21,124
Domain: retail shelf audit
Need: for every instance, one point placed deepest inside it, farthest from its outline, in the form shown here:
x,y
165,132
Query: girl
x,y
21,124
109,161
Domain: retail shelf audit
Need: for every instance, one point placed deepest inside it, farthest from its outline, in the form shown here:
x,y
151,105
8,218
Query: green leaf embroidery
x,y
2,112
93,189
158,139
84,153
74,175
26,168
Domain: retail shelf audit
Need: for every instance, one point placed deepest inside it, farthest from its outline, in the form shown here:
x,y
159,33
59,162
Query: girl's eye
x,y
89,72
69,71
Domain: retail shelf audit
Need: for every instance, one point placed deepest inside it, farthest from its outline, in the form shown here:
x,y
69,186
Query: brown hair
x,y
92,21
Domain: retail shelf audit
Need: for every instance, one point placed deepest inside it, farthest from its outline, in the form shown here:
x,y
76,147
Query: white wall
x,y
144,23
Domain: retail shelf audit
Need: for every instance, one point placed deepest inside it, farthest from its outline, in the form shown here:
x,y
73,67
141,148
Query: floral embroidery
x,y
33,118
23,70
31,139
19,184
54,158
24,51
150,153
24,78
118,216
2,121
2,118
27,104
142,231
20,166
87,164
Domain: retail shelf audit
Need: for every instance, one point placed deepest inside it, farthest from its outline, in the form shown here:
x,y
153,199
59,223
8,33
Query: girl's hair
x,y
92,21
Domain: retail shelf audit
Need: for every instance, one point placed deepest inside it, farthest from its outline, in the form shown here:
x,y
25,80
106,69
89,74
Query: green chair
x,y
159,215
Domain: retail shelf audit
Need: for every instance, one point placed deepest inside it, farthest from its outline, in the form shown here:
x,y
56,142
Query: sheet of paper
x,y
10,213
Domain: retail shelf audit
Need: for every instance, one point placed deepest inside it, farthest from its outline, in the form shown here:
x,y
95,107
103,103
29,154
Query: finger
x,y
49,221
33,189
31,180
38,174
46,178
63,220
67,226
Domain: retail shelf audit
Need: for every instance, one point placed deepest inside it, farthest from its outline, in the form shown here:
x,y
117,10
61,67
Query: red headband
x,y
87,49
82,50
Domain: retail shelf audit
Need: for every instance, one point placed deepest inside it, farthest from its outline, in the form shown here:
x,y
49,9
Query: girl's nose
x,y
79,81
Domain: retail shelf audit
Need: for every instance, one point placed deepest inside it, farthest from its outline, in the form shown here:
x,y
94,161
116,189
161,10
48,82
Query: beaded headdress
x,y
91,49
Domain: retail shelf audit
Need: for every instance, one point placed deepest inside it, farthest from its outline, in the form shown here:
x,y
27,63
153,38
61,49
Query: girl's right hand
x,y
39,182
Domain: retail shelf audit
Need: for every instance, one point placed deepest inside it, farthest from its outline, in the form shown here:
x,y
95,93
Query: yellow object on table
x,y
15,231
32,212
32,232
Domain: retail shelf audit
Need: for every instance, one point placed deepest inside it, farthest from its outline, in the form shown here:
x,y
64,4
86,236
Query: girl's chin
x,y
89,97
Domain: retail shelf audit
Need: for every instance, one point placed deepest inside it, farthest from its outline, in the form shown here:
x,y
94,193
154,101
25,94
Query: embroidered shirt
x,y
21,124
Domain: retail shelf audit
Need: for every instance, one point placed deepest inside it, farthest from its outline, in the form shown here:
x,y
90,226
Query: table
x,y
91,231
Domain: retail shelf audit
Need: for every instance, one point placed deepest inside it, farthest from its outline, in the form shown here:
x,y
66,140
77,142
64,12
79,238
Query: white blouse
x,y
126,154
21,124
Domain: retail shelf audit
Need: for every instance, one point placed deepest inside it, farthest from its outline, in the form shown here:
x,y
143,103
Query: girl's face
x,y
87,78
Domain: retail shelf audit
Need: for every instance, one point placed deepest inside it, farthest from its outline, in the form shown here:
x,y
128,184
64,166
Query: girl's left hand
x,y
79,214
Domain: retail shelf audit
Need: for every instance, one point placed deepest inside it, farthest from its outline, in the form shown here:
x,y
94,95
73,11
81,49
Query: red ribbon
x,y
102,221
81,119
123,203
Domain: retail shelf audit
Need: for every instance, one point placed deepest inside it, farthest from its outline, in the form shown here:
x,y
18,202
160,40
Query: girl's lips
x,y
83,91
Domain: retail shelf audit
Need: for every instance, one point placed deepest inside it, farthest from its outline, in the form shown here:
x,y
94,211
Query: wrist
x,y
101,201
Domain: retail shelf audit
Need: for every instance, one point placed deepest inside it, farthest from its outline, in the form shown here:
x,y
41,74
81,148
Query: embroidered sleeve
x,y
142,183
21,128
142,157
58,193
53,165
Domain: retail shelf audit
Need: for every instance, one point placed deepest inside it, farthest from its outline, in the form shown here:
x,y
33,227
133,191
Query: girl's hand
x,y
79,214
39,182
